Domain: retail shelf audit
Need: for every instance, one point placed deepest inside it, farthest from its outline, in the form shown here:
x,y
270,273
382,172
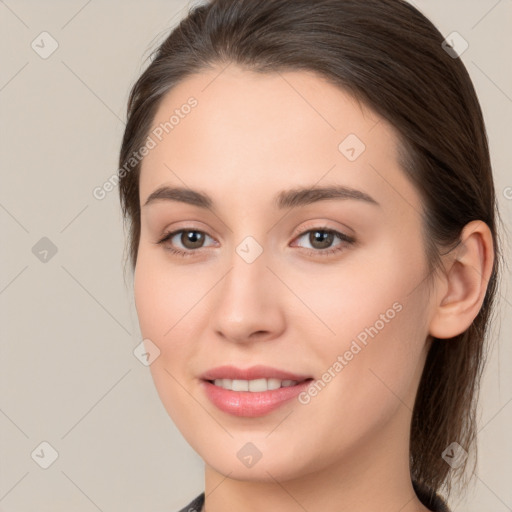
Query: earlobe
x,y
467,272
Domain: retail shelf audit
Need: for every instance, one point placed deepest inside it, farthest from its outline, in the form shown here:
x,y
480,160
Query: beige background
x,y
68,374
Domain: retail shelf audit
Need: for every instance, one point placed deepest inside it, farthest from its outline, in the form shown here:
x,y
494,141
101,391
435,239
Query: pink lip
x,y
252,373
248,403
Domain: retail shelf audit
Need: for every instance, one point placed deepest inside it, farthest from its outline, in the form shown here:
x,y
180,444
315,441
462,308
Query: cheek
x,y
161,306
162,302
365,290
376,312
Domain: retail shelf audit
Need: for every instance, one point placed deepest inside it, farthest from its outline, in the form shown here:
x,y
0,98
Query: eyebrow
x,y
292,198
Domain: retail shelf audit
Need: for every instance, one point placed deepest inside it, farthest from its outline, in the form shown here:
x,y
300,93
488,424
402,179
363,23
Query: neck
x,y
375,475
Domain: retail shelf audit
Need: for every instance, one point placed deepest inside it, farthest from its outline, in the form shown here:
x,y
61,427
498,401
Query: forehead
x,y
249,132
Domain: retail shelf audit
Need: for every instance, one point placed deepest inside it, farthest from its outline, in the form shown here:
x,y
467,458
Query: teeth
x,y
256,385
239,385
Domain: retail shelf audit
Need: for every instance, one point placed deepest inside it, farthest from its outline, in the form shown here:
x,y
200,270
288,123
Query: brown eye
x,y
192,239
183,242
321,237
321,241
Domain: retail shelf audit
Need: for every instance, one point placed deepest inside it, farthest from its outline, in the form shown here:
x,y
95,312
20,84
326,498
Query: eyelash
x,y
311,252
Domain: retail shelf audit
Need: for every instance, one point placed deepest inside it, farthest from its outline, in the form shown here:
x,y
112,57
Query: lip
x,y
252,373
251,404
247,403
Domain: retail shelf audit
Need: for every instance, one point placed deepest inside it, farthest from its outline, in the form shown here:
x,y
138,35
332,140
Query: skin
x,y
250,137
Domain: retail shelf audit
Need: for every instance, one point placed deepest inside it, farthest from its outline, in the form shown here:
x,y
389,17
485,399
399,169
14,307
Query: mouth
x,y
255,385
251,392
258,372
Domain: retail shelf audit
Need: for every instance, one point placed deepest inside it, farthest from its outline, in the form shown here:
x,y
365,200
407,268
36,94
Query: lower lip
x,y
249,404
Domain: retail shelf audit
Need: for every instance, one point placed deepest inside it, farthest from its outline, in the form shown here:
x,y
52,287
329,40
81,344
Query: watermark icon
x,y
454,455
44,45
44,454
146,352
44,250
507,192
343,360
249,249
249,454
455,45
351,147
157,135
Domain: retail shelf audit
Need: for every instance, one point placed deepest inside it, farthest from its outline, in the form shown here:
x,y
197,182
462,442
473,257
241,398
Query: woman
x,y
314,244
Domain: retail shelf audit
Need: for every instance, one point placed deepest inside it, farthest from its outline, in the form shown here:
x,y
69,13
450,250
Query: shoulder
x,y
195,505
430,499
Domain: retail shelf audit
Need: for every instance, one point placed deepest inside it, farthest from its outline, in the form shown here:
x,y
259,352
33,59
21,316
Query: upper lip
x,y
252,373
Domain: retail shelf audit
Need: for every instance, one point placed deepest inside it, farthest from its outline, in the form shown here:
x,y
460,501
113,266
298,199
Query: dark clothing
x,y
195,505
431,500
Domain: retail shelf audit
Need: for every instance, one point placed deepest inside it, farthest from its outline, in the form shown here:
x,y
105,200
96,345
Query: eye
x,y
191,239
321,240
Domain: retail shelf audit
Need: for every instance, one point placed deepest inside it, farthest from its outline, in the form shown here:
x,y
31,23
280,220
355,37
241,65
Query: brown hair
x,y
390,57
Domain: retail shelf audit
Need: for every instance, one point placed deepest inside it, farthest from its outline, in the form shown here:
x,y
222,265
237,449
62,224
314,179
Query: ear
x,y
464,283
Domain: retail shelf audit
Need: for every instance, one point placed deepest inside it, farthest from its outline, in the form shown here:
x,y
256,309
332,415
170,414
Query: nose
x,y
248,302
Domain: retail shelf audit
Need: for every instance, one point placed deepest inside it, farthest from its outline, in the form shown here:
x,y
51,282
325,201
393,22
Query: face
x,y
327,289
